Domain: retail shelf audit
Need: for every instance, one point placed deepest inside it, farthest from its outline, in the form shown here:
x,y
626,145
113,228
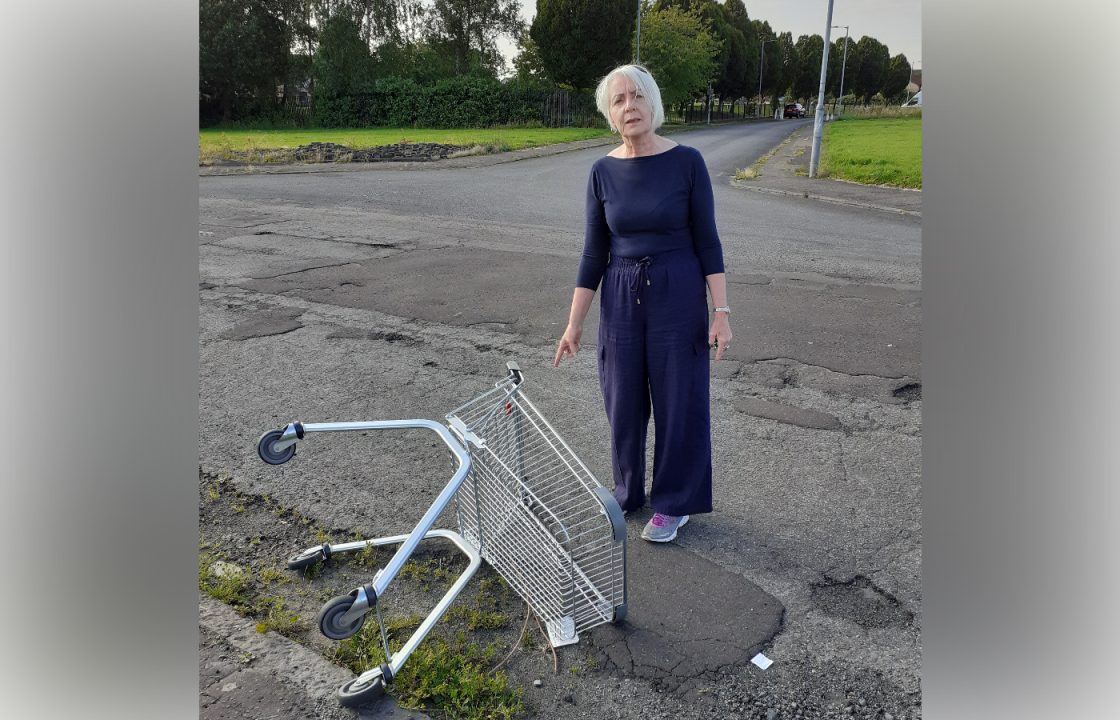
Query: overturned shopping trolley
x,y
524,503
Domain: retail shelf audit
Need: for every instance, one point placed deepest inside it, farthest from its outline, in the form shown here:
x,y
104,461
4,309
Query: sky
x,y
895,23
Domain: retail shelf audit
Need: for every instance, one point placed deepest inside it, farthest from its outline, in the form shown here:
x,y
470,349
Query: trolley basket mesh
x,y
537,514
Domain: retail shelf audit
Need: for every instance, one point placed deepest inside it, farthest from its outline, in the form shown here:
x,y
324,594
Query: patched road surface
x,y
402,293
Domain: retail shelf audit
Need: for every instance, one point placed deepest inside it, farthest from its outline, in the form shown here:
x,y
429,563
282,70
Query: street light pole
x,y
818,118
843,66
909,79
761,64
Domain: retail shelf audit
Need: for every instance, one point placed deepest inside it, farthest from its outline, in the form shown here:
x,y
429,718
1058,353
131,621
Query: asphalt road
x,y
391,293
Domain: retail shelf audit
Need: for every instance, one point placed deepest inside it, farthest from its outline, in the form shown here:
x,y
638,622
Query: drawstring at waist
x,y
636,270
639,279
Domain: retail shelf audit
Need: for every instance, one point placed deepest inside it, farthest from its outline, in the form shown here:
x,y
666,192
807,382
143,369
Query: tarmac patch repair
x,y
687,617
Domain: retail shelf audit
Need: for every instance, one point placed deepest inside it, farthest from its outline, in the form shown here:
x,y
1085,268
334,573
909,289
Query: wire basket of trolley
x,y
523,502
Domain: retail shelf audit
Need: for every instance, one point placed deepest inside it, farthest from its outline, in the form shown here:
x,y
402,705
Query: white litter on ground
x,y
762,661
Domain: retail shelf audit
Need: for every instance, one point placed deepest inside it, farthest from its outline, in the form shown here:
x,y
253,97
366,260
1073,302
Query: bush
x,y
393,103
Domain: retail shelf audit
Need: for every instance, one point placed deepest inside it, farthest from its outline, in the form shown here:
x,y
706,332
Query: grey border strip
x,y
297,666
826,198
301,667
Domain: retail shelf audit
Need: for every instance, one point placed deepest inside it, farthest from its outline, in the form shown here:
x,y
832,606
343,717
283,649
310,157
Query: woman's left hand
x,y
720,334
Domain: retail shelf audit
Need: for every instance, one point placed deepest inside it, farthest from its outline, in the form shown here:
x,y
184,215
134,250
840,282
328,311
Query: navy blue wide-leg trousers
x,y
653,350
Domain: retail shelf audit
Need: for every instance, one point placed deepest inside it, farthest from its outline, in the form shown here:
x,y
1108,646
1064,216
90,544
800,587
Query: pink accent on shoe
x,y
660,520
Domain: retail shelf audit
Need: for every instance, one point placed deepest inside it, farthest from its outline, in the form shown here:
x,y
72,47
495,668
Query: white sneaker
x,y
663,528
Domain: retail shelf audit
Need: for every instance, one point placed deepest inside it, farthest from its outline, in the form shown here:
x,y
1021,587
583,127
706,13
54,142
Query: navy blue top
x,y
647,205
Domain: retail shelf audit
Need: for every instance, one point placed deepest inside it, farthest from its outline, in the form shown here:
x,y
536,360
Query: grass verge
x,y
448,672
236,587
216,144
454,674
874,151
755,170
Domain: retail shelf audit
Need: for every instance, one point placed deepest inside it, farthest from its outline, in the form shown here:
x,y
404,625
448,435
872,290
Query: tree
x,y
871,72
785,73
679,51
725,79
343,65
898,77
379,19
580,41
809,51
724,33
528,66
242,53
771,57
841,71
468,29
742,62
343,69
734,82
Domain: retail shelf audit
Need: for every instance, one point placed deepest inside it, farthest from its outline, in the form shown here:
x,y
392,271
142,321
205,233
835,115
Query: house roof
x,y
915,81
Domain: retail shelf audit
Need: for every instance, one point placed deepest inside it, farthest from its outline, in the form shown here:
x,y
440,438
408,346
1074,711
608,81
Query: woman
x,y
651,240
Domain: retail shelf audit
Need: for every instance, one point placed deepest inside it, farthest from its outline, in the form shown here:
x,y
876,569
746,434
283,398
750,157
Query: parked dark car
x,y
794,110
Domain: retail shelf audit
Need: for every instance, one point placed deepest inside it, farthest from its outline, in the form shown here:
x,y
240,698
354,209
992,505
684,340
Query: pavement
x,y
247,675
390,293
787,173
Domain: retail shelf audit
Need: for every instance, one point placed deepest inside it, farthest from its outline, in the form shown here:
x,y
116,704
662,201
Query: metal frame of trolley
x,y
524,503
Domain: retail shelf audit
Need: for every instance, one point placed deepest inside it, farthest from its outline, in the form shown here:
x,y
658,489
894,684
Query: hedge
x,y
455,102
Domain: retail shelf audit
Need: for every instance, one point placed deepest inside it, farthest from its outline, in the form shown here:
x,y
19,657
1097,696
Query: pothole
x,y
860,601
265,325
393,337
909,392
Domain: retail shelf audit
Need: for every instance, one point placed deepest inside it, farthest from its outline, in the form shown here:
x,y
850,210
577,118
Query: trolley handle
x,y
515,373
277,447
288,436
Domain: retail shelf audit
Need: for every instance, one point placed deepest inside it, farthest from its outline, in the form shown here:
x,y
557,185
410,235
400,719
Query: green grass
x,y
755,170
451,675
233,588
238,590
452,672
217,144
874,151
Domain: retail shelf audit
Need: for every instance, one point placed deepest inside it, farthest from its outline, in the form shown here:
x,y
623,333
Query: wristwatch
x,y
723,309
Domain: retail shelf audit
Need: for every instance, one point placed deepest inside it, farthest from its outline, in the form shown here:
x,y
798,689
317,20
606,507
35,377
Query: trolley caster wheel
x,y
307,558
353,694
330,618
268,454
619,614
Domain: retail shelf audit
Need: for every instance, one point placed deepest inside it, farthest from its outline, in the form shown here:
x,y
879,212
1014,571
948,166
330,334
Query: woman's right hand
x,y
569,344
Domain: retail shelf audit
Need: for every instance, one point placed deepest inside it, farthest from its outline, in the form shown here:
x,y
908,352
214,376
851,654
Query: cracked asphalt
x,y
390,293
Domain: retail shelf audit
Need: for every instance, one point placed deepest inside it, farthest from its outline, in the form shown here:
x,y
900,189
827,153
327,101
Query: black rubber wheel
x,y
330,618
619,614
352,694
298,562
270,456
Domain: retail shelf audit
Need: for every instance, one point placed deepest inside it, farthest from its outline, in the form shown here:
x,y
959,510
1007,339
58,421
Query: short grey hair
x,y
643,81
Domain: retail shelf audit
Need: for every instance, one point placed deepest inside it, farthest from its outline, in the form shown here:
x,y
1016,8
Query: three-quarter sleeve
x,y
596,241
702,214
